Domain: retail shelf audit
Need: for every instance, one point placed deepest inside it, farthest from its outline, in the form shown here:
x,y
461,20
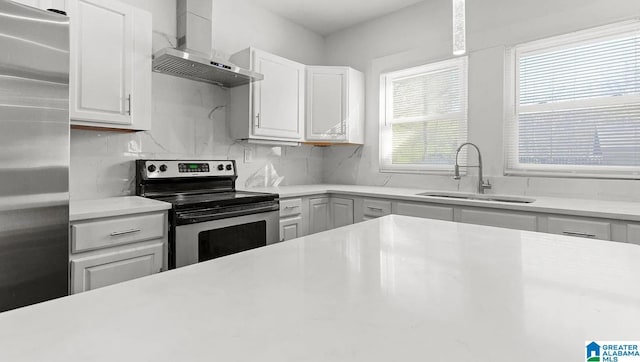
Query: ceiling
x,y
327,16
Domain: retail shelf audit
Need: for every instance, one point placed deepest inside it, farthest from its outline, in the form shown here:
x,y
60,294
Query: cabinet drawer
x,y
100,270
425,211
579,227
290,207
111,232
376,208
499,219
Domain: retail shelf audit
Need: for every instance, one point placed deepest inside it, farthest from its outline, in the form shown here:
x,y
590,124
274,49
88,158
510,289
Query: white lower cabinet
x,y
503,219
291,228
319,215
424,210
581,227
108,268
292,219
106,251
328,213
633,234
313,214
341,212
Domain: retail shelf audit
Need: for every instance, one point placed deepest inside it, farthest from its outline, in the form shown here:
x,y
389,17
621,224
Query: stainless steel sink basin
x,y
480,197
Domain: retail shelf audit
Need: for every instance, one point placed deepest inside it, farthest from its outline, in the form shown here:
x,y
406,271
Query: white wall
x,y
238,24
421,34
183,124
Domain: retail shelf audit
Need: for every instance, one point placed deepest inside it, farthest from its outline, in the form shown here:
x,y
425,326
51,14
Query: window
x,y
423,117
574,105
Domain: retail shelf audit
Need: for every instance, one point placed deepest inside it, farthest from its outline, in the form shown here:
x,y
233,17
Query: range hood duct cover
x,y
193,60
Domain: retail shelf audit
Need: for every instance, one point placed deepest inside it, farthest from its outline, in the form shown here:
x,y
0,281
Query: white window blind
x,y
574,106
423,117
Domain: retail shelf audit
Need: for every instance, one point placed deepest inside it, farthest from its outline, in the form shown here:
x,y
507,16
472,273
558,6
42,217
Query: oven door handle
x,y
197,215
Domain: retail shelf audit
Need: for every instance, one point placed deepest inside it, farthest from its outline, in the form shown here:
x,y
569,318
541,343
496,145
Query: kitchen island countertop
x,y
391,289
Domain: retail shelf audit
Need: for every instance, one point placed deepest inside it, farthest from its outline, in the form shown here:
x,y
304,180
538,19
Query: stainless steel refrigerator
x,y
34,155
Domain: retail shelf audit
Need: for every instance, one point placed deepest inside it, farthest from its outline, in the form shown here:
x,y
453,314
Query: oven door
x,y
212,239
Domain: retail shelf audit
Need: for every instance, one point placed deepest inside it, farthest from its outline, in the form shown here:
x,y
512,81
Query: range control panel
x,y
186,168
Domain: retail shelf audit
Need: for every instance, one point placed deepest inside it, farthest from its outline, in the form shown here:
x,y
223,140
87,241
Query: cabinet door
x,y
424,211
341,212
101,62
633,233
319,215
579,227
507,220
278,100
327,103
100,270
290,228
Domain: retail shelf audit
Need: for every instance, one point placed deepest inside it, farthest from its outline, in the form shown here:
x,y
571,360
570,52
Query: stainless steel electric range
x,y
209,218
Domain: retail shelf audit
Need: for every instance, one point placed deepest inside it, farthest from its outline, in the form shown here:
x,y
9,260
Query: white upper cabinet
x,y
271,110
335,105
45,4
110,75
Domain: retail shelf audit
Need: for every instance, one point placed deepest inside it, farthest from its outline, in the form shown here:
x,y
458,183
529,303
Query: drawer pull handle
x,y
375,208
577,233
125,232
291,207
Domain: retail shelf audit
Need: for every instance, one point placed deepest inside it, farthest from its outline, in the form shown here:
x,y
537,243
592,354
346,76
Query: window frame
x,y
512,166
386,115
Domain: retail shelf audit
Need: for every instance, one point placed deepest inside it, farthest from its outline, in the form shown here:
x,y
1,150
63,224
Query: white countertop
x,y
113,206
619,210
391,289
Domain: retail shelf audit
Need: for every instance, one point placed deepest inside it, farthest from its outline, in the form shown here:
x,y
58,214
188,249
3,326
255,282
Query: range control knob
x,y
229,167
163,168
220,167
151,168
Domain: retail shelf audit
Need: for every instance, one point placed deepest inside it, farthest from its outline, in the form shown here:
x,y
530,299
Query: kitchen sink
x,y
480,197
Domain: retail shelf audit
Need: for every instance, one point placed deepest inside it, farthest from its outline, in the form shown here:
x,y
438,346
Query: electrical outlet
x,y
248,155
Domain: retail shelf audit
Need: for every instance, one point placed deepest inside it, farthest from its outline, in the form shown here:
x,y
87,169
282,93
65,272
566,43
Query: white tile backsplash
x,y
358,166
189,121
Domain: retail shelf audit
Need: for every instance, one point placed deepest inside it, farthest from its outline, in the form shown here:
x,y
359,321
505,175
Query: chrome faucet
x,y
456,175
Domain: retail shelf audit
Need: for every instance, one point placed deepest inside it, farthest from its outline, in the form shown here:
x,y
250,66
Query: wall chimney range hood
x,y
193,59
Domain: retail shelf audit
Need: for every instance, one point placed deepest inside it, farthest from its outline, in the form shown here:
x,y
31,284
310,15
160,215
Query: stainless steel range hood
x,y
193,58
188,65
